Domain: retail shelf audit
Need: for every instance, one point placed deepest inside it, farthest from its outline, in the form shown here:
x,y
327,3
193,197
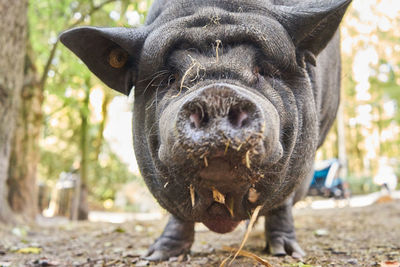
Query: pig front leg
x,y
176,239
280,234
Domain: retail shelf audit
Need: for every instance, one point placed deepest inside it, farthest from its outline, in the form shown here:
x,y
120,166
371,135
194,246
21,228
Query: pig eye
x,y
118,58
173,78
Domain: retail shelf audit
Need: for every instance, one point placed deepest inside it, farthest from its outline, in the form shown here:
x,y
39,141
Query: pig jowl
x,y
231,101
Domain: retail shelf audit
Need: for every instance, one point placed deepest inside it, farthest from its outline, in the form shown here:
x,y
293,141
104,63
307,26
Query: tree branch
x,y
92,10
54,48
47,66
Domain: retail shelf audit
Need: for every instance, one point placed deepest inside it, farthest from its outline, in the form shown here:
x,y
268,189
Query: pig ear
x,y
110,53
312,24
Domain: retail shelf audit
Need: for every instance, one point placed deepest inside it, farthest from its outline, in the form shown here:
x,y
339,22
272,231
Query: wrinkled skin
x,y
231,96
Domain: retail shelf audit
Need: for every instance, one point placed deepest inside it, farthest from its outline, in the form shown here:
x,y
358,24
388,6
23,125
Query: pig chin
x,y
222,209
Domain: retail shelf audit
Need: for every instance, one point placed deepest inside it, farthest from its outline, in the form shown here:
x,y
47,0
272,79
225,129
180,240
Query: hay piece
x,y
248,159
216,50
205,161
224,261
227,146
247,254
262,130
195,63
239,147
218,196
192,196
230,203
184,77
249,228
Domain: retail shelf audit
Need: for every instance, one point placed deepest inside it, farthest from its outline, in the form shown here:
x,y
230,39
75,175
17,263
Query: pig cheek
x,y
166,127
162,153
272,145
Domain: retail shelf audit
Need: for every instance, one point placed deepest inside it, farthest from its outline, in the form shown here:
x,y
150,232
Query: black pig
x,y
232,99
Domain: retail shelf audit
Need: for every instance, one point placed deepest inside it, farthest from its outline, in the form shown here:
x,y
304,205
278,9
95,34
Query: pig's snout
x,y
220,121
218,111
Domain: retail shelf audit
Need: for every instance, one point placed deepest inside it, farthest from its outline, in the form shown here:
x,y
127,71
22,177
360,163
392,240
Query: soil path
x,y
368,236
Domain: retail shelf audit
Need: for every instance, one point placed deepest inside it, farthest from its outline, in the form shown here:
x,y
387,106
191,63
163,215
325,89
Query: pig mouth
x,y
222,222
223,196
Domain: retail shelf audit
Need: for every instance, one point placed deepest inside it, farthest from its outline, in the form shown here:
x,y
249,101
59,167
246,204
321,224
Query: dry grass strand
x,y
249,228
192,196
218,196
247,254
227,146
216,50
205,161
248,159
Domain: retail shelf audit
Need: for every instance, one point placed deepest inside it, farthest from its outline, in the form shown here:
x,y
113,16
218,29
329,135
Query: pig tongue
x,y
220,225
220,220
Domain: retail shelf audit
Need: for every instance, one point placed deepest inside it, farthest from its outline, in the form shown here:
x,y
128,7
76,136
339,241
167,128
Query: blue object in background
x,y
326,181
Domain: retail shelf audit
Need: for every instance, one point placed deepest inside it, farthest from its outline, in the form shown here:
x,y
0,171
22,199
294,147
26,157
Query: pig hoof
x,y
282,246
177,238
167,247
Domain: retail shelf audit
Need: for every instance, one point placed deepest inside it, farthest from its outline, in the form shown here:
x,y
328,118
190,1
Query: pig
x,y
232,98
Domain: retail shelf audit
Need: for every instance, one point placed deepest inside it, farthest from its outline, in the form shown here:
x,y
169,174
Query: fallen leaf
x,y
19,231
108,244
321,232
29,250
384,199
119,230
390,264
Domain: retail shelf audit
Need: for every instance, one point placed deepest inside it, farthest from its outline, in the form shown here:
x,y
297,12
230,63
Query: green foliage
x,y
362,185
67,82
370,103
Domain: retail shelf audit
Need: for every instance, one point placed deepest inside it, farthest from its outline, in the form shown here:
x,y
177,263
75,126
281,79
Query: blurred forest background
x,y
69,124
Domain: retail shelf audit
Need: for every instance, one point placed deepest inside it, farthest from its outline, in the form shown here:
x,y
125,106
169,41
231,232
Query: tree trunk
x,y
83,210
13,16
341,137
22,195
100,137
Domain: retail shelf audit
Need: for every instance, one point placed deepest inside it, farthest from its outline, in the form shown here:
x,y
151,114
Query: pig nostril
x,y
195,121
198,118
238,118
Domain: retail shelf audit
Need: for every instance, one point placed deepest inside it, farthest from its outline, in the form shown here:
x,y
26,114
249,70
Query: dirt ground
x,y
368,236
